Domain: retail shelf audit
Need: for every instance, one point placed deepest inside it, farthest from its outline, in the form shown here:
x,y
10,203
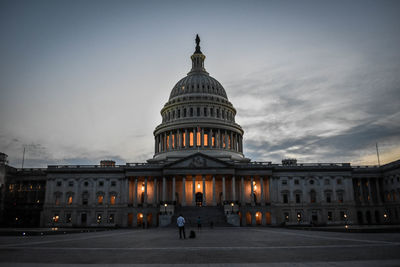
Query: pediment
x,y
197,161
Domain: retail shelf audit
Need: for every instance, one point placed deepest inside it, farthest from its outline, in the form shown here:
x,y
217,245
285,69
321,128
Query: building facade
x,y
199,169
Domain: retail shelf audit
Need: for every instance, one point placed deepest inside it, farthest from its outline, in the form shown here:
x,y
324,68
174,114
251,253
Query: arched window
x,y
85,198
113,198
191,112
100,198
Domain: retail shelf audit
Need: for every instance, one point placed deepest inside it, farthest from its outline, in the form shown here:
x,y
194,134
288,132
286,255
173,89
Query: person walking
x,y
181,225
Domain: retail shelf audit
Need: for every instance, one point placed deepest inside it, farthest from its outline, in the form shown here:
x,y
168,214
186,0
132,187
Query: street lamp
x,y
165,208
232,207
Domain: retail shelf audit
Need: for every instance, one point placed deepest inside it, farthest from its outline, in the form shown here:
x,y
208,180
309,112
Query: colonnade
x,y
198,137
369,190
214,189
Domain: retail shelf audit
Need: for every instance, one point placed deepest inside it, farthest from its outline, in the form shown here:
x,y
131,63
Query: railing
x,y
84,166
315,165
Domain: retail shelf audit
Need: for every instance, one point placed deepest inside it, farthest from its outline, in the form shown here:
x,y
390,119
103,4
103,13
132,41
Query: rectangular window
x,y
101,183
285,198
340,197
70,200
329,215
198,141
339,181
113,183
191,143
284,182
100,200
112,200
328,198
342,215
184,139
205,139
296,181
297,198
326,181
205,112
57,200
59,183
198,112
70,183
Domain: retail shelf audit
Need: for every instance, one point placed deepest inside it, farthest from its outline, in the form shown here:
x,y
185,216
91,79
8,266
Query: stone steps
x,y
208,215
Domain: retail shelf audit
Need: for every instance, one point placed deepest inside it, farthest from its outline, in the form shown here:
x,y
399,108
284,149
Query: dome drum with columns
x,y
198,117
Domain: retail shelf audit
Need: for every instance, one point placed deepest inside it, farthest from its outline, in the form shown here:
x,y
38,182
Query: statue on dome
x,y
198,44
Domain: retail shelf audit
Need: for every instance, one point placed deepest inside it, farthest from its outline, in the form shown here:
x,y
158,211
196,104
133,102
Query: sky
x,y
82,81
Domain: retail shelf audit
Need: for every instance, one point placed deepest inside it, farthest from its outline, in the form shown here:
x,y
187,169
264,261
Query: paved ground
x,y
212,247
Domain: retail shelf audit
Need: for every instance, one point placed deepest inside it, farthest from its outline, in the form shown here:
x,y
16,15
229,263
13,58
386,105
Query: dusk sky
x,y
82,81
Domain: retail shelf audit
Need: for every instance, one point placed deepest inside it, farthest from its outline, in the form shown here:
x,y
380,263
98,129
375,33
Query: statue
x,y
198,44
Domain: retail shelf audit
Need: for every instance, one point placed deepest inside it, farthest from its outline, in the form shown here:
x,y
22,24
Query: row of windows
x,y
191,138
326,182
298,197
24,187
197,112
314,217
68,218
86,183
85,198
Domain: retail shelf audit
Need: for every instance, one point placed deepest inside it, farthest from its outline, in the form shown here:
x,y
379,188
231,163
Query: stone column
x,y
135,198
194,137
219,139
243,199
164,191
213,190
378,191
204,190
233,188
178,139
262,192
361,191
186,139
183,191
202,138
210,133
370,192
231,141
173,189
155,200
193,190
223,190
170,141
145,191
252,190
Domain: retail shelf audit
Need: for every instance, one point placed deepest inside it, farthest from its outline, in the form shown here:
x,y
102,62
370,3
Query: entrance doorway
x,y
199,199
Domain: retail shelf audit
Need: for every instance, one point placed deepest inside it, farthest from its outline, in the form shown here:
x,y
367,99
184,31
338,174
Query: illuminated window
x,y
112,199
173,141
69,200
56,218
167,141
100,199
198,141
184,139
213,141
191,139
205,139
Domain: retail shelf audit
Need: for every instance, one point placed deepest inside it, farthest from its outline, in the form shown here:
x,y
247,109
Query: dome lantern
x,y
198,59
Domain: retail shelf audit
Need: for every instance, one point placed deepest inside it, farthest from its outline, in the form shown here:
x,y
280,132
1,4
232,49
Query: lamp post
x,y
232,207
165,208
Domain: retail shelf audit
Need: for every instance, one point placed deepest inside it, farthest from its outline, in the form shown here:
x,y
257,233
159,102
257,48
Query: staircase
x,y
207,214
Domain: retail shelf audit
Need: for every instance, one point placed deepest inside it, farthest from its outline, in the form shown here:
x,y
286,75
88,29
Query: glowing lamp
x,y
198,185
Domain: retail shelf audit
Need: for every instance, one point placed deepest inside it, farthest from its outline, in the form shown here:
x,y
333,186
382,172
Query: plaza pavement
x,y
225,246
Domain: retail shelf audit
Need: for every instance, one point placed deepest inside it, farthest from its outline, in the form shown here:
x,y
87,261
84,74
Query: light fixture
x,y
141,215
143,187
385,215
165,205
345,215
232,204
346,226
256,214
198,185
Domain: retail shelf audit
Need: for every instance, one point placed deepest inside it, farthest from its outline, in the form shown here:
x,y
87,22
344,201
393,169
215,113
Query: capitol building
x,y
199,169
